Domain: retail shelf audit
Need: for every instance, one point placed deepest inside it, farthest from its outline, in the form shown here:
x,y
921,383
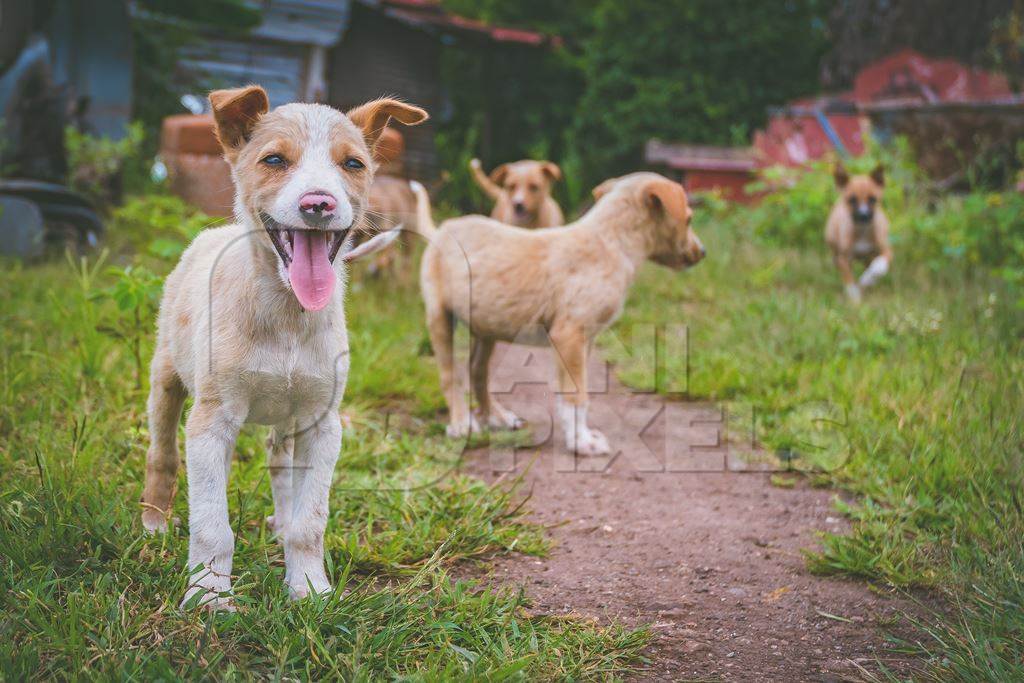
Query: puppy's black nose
x,y
519,207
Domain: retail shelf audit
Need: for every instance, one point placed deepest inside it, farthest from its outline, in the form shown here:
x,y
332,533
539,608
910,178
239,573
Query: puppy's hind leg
x,y
281,448
492,413
441,325
166,398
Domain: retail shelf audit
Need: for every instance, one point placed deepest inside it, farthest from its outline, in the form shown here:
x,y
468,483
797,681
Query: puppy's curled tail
x,y
489,187
424,221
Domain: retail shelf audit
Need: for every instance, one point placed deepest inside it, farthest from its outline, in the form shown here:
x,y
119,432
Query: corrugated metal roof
x,y
430,14
309,22
275,53
702,157
278,67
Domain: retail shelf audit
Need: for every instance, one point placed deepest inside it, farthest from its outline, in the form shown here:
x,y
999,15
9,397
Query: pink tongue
x,y
310,272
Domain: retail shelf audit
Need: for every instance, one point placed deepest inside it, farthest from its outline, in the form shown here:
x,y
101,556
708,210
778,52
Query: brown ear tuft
x,y
878,175
373,116
499,174
236,112
841,176
551,170
604,188
661,194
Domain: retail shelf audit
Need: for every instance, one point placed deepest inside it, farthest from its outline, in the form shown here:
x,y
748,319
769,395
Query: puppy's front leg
x,y
316,452
281,446
842,262
878,267
210,435
571,349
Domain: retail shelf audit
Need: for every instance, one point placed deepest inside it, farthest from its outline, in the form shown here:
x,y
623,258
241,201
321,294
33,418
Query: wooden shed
x,y
344,52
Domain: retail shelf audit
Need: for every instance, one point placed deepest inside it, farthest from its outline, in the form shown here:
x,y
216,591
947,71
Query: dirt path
x,y
711,559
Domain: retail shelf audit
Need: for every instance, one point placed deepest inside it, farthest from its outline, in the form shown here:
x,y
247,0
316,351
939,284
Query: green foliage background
x,y
694,70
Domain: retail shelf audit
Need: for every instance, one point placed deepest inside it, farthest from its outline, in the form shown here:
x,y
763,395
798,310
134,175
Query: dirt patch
x,y
661,535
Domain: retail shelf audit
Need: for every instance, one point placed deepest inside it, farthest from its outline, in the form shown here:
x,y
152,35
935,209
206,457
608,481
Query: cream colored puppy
x,y
252,326
561,286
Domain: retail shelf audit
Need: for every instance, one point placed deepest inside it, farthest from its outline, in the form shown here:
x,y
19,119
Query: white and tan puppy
x,y
252,326
560,285
858,229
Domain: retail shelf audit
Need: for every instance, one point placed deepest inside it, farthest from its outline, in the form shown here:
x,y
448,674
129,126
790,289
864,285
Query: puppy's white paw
x,y
592,443
475,163
853,293
301,590
153,521
460,429
506,420
878,268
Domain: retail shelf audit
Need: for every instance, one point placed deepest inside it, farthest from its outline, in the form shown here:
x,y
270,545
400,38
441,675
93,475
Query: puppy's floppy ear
x,y
373,116
235,113
878,175
663,195
604,188
499,174
551,170
841,176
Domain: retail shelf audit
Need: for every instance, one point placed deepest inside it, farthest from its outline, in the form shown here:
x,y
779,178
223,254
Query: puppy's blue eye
x,y
273,160
353,164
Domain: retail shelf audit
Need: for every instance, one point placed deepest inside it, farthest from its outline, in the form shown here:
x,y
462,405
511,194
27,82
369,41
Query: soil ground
x,y
669,535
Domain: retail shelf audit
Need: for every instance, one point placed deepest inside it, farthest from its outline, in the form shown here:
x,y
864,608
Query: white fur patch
x,y
878,267
579,437
853,291
315,171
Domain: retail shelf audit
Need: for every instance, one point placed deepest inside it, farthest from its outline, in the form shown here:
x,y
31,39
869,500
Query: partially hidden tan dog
x,y
521,191
252,326
560,286
392,205
858,229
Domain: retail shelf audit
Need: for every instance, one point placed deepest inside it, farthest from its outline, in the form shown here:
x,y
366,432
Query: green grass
x,y
925,388
85,594
922,388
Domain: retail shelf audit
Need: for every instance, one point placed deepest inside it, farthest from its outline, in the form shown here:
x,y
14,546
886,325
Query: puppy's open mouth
x,y
307,255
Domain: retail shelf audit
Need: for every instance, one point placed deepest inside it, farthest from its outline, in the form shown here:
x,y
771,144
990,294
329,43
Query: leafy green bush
x,y
136,291
161,225
97,164
978,229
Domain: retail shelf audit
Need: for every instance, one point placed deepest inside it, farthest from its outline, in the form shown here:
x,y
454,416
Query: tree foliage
x,y
701,71
982,33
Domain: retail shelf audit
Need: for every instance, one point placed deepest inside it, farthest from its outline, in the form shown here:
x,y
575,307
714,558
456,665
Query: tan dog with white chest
x,y
858,229
560,286
521,191
252,326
